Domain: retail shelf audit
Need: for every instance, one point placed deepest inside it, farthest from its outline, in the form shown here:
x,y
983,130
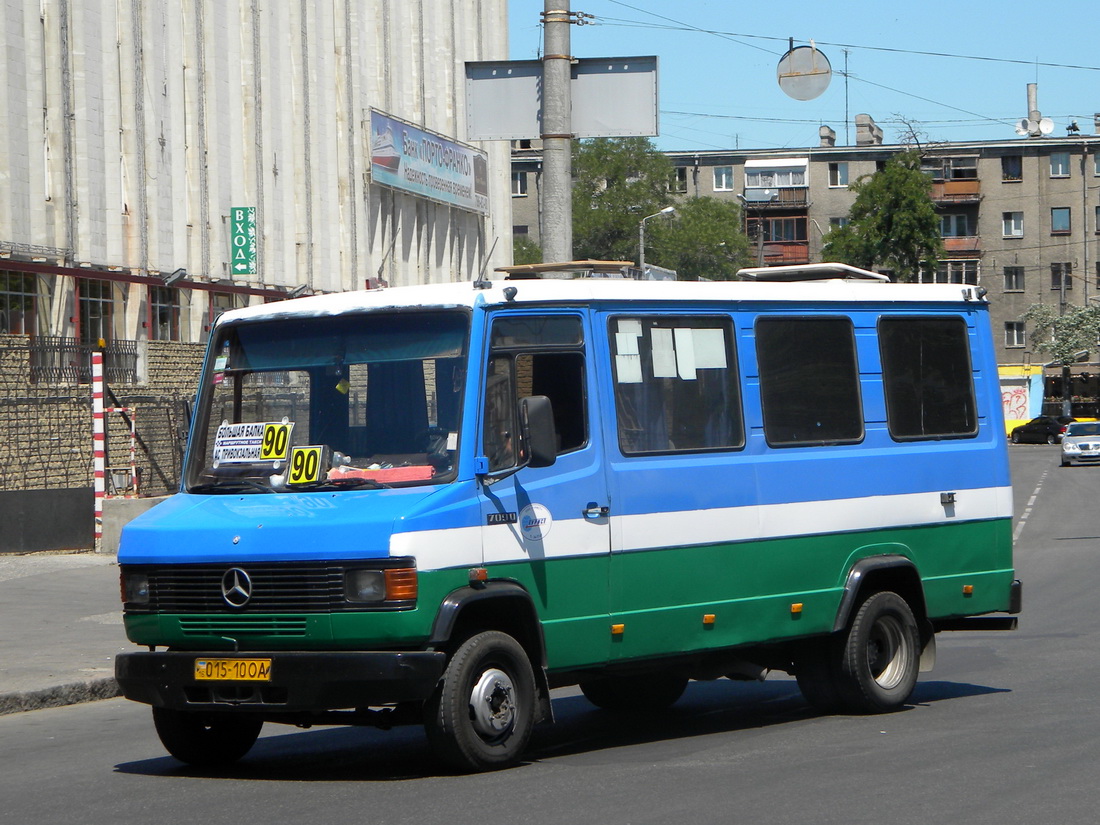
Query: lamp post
x,y
668,210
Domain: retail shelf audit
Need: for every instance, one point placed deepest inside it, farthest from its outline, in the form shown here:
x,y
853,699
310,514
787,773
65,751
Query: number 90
x,y
275,441
304,464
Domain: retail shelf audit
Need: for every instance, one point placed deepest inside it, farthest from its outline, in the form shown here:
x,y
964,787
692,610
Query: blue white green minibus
x,y
435,504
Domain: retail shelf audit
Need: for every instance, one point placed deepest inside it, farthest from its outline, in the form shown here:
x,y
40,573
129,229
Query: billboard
x,y
423,163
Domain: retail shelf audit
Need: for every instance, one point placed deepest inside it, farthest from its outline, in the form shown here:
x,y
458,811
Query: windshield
x,y
364,400
1090,428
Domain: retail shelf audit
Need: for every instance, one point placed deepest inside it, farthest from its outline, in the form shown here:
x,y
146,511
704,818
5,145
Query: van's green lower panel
x,y
668,601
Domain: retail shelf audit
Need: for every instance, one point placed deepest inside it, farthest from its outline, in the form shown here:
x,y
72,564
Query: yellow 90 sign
x,y
275,441
305,465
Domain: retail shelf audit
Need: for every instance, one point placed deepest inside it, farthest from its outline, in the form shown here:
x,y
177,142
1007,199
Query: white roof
x,y
584,291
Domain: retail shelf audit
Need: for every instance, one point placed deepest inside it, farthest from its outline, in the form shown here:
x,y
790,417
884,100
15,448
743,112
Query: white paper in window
x,y
628,369
710,349
630,326
685,353
626,343
664,354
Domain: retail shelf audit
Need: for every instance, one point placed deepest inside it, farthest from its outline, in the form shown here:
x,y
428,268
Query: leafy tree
x,y
616,182
1064,336
893,223
703,240
525,250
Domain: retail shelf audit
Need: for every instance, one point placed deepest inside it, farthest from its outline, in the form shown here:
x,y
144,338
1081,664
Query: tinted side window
x,y
809,380
927,377
676,385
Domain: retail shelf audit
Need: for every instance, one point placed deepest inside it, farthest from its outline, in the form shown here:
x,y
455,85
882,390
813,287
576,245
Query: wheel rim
x,y
887,653
492,704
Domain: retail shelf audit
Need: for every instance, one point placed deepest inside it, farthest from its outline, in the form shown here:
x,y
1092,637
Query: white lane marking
x,y
1030,505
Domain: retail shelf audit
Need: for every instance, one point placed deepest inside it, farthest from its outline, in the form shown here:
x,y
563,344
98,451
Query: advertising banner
x,y
423,163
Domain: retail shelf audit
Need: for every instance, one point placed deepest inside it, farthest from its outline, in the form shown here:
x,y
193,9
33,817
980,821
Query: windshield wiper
x,y
235,485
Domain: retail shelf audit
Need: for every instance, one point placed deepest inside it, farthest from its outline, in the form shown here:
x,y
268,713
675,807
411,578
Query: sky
x,y
944,71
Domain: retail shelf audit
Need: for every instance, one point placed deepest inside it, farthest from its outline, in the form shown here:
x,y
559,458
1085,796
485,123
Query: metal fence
x,y
55,359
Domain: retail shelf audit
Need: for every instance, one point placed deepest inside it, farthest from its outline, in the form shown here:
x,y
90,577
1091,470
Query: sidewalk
x,y
60,628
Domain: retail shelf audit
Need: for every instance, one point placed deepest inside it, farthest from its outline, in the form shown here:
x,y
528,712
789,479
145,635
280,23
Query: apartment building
x,y
1019,217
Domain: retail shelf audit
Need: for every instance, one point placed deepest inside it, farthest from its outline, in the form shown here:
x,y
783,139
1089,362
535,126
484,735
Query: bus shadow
x,y
367,754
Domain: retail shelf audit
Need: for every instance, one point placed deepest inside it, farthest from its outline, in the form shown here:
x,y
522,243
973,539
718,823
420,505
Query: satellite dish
x,y
804,72
1046,126
1023,126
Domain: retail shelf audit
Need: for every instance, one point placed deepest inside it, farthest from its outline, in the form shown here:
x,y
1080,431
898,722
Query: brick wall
x,y
46,430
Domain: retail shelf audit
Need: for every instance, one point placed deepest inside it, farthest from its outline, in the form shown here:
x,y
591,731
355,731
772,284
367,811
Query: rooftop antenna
x,y
481,282
1034,125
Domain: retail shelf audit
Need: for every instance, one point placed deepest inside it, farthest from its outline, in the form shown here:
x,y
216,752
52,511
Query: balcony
x,y
786,252
786,197
967,246
957,191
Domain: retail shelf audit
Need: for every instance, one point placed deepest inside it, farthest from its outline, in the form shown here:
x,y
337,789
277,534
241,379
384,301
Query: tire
x,y
483,709
206,740
1015,438
880,657
642,693
1051,439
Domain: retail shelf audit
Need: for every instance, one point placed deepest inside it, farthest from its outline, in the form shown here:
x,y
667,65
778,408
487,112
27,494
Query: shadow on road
x,y
367,754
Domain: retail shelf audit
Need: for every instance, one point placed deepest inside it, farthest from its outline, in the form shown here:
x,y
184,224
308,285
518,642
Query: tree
x,y
893,223
703,240
1064,336
616,182
525,250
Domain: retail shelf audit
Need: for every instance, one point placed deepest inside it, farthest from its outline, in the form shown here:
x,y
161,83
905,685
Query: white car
x,y
1081,443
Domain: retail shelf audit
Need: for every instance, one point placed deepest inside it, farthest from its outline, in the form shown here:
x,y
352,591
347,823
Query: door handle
x,y
593,511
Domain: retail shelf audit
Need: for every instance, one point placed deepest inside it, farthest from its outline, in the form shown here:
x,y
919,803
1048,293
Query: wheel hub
x,y
492,703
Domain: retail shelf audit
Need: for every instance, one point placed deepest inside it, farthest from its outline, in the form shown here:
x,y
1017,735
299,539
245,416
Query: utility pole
x,y
557,134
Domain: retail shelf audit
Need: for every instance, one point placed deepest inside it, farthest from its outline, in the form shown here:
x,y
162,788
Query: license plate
x,y
233,670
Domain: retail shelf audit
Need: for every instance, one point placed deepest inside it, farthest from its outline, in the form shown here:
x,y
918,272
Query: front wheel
x,y
206,740
482,712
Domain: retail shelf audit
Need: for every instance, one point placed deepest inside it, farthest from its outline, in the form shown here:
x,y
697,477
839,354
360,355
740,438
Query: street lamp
x,y
668,210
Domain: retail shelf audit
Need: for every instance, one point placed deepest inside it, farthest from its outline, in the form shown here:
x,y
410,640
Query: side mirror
x,y
536,416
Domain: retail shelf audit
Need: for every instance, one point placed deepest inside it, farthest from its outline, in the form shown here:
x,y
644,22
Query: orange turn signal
x,y
617,629
796,608
401,584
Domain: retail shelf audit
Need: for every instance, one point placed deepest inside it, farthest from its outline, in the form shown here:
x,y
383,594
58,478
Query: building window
x,y
952,272
838,174
18,303
836,223
678,180
96,310
1012,168
954,226
1059,220
521,229
723,178
1014,279
1098,274
1015,335
1096,166
778,229
1013,224
519,184
1059,164
778,176
1061,275
164,313
809,381
941,169
1097,208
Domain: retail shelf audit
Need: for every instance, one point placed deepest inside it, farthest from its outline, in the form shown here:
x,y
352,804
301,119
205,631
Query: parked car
x,y
1081,443
1045,429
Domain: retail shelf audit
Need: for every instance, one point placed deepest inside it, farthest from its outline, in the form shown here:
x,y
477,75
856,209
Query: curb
x,y
71,694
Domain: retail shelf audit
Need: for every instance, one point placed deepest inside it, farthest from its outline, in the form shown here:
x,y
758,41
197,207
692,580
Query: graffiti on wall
x,y
1014,401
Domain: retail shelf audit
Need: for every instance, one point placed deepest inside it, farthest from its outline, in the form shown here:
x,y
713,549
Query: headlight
x,y
135,588
365,586
1070,447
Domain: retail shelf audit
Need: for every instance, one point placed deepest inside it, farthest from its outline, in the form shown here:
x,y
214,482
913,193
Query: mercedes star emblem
x,y
236,587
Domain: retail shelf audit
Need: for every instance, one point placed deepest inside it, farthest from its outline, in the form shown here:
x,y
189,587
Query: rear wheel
x,y
482,712
644,692
206,740
1052,439
1015,438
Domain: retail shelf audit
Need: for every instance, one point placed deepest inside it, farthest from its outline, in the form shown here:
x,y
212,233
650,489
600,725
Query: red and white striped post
x,y
99,461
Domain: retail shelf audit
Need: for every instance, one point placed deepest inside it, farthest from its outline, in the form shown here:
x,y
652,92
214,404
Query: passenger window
x,y
676,384
927,378
809,381
534,355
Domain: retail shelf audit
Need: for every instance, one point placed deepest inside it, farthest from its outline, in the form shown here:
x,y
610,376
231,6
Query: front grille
x,y
291,587
243,626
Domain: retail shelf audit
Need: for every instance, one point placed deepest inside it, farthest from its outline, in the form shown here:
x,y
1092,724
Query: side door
x,y
547,527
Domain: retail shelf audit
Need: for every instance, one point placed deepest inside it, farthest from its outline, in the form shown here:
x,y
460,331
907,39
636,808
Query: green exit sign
x,y
242,240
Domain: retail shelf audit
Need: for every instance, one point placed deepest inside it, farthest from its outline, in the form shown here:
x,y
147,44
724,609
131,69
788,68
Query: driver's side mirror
x,y
536,416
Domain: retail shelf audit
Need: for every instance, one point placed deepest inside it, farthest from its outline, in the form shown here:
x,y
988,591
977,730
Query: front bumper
x,y
313,681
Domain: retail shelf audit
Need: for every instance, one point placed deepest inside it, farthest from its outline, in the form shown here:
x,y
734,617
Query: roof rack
x,y
809,272
570,269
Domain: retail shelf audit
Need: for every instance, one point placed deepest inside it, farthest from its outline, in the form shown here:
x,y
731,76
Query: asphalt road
x,y
1002,732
